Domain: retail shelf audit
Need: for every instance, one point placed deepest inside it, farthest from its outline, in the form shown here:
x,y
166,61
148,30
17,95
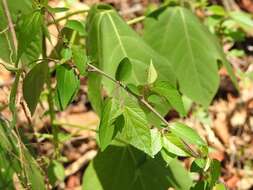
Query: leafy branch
x,y
92,68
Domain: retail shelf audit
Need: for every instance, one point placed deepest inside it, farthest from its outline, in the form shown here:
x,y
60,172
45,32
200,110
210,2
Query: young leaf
x,y
136,130
124,70
123,41
219,186
33,85
156,141
191,49
152,74
187,134
66,54
80,59
133,170
171,94
107,128
76,25
55,172
67,85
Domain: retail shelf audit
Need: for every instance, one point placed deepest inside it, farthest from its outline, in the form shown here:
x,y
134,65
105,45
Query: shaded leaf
x,y
107,127
33,85
124,70
171,94
30,28
133,170
55,172
67,85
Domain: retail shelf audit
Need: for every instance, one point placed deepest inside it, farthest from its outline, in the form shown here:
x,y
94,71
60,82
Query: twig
x,y
79,163
26,113
141,99
136,20
10,24
67,16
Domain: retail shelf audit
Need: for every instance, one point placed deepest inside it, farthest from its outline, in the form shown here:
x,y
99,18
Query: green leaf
x,y
174,145
219,186
191,49
171,94
136,129
109,50
215,170
67,85
80,59
66,54
156,141
243,19
187,134
33,85
107,128
6,43
152,74
29,30
95,91
133,170
55,172
76,25
124,70
198,165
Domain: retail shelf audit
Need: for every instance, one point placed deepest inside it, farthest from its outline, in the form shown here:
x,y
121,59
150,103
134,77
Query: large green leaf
x,y
109,50
179,36
33,85
126,168
67,85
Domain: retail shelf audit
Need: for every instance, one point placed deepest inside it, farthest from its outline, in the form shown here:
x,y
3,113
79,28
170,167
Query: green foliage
x,y
133,81
67,85
16,159
126,168
6,42
191,49
55,172
33,85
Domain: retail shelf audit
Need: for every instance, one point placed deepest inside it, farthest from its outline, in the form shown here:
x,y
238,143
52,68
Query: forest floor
x,y
227,125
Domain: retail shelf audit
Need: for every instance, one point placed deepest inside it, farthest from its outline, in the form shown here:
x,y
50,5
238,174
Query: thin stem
x,y
50,98
10,24
93,68
68,15
136,20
